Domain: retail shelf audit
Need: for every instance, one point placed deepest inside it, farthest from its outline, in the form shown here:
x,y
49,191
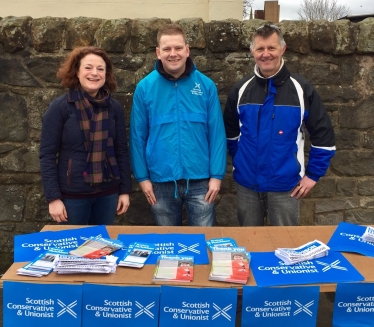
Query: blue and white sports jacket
x,y
264,128
176,128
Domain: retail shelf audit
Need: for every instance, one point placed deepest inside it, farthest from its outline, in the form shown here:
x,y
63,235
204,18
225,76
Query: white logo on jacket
x,y
197,90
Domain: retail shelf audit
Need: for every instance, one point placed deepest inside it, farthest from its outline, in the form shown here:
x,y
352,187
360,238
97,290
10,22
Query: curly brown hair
x,y
70,67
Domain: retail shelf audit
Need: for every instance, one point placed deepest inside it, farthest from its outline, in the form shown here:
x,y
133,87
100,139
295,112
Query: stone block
x,y
113,34
346,37
15,33
13,118
332,218
360,216
306,212
337,93
195,32
326,206
12,203
125,80
80,31
365,186
44,68
366,36
325,188
346,187
47,33
127,62
322,36
226,214
296,35
144,33
369,140
359,116
36,208
21,160
353,163
347,139
223,35
14,73
367,203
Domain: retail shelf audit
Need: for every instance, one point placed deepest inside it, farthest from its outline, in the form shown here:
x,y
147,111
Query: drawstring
x,y
188,185
175,189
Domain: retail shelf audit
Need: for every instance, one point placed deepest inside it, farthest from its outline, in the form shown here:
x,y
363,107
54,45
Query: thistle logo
x,y
197,90
145,309
303,308
222,312
333,265
67,308
191,248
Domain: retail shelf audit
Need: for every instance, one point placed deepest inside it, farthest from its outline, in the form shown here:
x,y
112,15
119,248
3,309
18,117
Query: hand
x,y
147,189
57,211
303,188
123,203
214,187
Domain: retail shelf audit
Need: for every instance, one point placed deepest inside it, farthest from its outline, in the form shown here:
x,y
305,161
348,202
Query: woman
x,y
83,150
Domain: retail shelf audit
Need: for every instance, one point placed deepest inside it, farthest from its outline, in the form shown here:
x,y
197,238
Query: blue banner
x,y
186,307
347,238
179,244
118,306
41,305
288,306
354,305
28,246
268,270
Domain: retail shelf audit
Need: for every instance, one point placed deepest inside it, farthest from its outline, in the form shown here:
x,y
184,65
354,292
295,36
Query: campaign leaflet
x,y
221,242
137,254
68,264
97,247
174,268
230,264
43,264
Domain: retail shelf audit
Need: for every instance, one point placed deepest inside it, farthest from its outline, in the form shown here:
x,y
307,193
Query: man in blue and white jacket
x,y
177,136
264,117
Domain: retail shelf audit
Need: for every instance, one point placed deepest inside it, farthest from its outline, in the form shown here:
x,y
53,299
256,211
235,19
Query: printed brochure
x,y
97,247
230,264
221,242
174,268
137,254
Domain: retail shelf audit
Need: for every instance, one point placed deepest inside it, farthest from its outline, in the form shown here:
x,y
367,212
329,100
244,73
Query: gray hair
x,y
266,31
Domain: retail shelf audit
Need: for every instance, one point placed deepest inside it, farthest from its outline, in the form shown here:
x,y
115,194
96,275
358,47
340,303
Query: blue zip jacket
x,y
176,128
264,120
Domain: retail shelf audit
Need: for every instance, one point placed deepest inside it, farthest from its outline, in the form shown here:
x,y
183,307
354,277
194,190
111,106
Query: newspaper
x,y
68,264
308,251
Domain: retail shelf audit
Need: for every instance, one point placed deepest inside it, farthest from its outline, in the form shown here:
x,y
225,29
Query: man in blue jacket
x,y
264,118
177,136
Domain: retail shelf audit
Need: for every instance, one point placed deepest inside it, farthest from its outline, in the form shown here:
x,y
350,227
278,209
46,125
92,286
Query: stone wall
x,y
337,57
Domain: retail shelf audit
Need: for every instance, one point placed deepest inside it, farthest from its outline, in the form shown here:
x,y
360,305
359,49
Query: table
x,y
255,239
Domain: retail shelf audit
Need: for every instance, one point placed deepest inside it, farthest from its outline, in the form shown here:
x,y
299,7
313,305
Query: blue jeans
x,y
282,210
170,198
92,211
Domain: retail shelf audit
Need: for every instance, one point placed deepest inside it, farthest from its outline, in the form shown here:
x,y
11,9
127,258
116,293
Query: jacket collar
x,y
189,68
278,78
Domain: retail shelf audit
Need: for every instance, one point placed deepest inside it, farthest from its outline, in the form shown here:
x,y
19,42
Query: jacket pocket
x,y
68,173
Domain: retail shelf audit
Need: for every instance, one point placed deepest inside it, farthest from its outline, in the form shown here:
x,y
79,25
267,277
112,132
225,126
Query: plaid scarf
x,y
101,163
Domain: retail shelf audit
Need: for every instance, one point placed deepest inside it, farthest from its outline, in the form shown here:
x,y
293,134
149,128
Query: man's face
x,y
268,54
173,53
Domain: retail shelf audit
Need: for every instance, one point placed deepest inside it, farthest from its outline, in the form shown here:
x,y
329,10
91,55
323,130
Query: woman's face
x,y
91,74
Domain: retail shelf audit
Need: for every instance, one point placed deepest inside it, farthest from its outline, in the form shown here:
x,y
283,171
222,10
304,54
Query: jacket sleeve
x,y
139,131
321,132
231,120
122,151
52,127
217,146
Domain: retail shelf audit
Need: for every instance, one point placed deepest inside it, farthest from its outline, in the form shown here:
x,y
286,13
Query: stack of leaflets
x,y
230,264
96,247
137,254
309,251
220,242
368,235
69,264
43,264
174,268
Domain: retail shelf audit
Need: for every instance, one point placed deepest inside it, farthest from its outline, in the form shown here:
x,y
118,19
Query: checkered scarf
x,y
101,163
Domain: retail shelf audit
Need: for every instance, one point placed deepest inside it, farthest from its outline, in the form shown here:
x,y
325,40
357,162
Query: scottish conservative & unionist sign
x,y
288,306
179,244
208,307
347,238
268,270
42,305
